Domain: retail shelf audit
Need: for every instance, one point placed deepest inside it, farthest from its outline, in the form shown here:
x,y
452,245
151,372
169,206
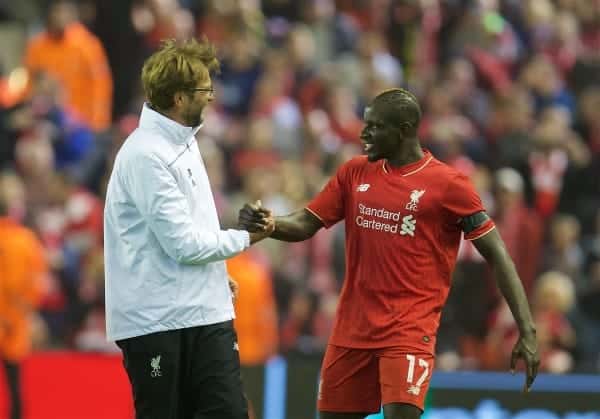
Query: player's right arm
x,y
297,226
326,209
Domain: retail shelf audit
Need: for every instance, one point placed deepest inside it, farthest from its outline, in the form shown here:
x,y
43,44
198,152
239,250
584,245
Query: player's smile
x,y
370,149
368,142
379,137
368,146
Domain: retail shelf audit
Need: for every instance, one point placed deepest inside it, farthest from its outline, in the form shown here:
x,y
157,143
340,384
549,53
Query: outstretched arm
x,y
297,226
493,250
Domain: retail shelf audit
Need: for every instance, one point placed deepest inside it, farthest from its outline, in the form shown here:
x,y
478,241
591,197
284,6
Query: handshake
x,y
257,221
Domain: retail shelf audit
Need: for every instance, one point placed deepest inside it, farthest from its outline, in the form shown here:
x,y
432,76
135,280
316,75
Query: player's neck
x,y
408,154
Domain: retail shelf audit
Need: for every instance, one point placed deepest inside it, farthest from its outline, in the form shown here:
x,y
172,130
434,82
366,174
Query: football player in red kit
x,y
404,213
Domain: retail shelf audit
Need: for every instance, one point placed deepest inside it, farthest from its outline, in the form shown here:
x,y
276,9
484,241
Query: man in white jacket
x,y
168,302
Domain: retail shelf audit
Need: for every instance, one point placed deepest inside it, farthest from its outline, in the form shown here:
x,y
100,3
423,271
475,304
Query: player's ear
x,y
407,129
178,99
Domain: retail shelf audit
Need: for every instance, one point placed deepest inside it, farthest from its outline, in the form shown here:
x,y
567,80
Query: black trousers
x,y
13,374
191,373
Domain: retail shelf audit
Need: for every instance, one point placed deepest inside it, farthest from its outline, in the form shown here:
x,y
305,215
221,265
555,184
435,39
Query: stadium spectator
x,y
256,321
23,269
73,55
520,227
552,300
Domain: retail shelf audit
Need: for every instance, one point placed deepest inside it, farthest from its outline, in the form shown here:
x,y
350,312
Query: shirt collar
x,y
411,168
170,129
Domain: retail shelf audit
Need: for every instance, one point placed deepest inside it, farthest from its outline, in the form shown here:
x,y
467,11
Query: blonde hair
x,y
177,66
555,289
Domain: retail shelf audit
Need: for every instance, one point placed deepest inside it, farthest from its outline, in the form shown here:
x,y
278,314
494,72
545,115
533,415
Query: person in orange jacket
x,y
75,57
256,312
22,271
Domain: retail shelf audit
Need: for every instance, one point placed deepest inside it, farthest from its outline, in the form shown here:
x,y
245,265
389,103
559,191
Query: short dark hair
x,y
399,103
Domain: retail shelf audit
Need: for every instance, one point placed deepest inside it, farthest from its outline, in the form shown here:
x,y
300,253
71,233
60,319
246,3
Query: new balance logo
x,y
155,364
363,187
408,226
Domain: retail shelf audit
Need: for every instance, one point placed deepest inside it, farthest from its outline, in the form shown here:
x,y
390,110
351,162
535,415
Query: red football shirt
x,y
402,235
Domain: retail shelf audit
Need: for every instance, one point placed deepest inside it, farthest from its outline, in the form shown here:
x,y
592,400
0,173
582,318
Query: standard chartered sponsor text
x,y
381,219
378,212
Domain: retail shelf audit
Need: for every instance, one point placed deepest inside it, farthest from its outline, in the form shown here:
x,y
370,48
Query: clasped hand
x,y
257,220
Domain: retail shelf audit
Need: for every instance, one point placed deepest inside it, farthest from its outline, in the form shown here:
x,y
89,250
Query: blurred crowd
x,y
510,91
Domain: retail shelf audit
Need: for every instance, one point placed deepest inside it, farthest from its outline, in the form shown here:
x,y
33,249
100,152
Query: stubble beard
x,y
194,119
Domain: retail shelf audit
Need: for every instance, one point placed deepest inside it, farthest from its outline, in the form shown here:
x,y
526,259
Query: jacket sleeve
x,y
157,196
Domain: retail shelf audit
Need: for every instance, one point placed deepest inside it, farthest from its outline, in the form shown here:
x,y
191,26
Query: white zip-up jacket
x,y
164,249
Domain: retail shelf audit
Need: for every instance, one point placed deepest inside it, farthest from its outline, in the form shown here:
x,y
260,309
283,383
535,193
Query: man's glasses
x,y
210,90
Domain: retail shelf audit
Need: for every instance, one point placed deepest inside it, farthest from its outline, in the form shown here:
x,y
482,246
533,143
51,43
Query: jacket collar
x,y
171,130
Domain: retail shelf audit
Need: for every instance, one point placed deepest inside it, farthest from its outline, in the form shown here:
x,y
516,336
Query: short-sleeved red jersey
x,y
402,234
